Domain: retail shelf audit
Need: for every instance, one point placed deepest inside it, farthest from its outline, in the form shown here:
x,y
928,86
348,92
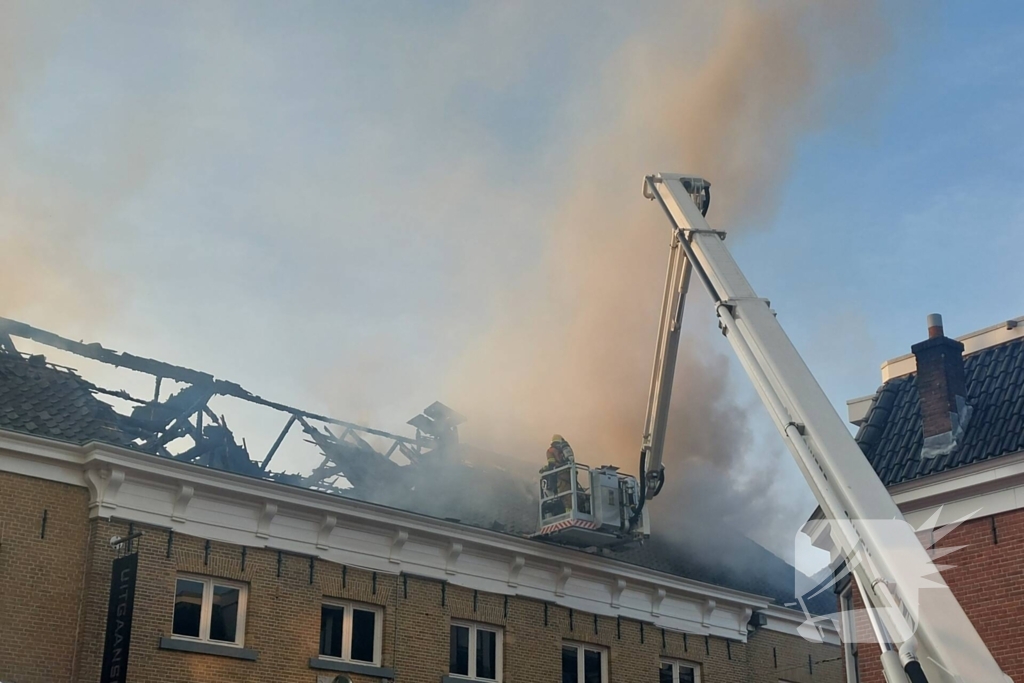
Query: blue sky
x,y
915,209
360,208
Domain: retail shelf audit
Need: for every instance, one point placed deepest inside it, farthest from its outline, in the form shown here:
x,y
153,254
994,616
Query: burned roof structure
x,y
439,477
53,401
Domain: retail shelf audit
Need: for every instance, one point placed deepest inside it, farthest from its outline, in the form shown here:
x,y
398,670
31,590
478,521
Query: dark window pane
x,y
363,630
188,608
224,614
686,674
665,673
331,618
591,666
458,655
570,665
486,654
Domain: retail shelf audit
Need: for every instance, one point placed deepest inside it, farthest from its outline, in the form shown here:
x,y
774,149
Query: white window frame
x,y
499,658
206,609
347,631
677,663
580,647
851,650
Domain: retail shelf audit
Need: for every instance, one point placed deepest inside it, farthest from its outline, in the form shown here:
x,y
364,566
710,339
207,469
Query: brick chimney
x,y
942,389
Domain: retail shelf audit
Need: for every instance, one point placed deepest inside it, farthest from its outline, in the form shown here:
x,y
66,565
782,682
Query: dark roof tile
x,y
891,436
52,402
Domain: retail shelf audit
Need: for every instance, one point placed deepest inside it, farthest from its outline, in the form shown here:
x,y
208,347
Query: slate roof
x,y
36,398
891,435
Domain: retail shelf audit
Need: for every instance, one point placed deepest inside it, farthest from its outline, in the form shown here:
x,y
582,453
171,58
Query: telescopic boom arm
x,y
924,629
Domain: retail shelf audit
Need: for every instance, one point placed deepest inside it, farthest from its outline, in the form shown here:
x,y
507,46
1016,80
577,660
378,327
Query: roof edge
x,y
107,470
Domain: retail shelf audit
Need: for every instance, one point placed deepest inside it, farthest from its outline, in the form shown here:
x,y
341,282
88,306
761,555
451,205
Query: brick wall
x,y
41,575
283,618
282,621
987,577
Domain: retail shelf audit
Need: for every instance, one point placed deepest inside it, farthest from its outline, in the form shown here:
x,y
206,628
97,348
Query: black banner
x,y
119,619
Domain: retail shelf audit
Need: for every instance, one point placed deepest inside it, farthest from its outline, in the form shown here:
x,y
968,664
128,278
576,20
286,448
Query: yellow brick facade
x,y
54,590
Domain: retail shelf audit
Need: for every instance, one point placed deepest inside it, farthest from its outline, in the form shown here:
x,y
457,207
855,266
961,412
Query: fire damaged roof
x,y
459,483
41,399
891,436
161,425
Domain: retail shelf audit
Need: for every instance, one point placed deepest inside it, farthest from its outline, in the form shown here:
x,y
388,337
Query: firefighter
x,y
559,454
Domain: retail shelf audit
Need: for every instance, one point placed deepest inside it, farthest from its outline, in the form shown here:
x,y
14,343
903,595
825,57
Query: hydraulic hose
x,y
643,488
915,673
911,665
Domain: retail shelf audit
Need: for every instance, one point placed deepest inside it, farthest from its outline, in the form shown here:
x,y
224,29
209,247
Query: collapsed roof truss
x,y
154,423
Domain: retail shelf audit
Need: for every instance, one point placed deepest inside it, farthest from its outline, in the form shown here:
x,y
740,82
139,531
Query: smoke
x,y
81,138
569,347
39,264
55,207
570,350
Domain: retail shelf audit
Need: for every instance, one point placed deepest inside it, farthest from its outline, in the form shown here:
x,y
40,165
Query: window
x,y
210,610
678,672
351,632
475,651
850,636
584,663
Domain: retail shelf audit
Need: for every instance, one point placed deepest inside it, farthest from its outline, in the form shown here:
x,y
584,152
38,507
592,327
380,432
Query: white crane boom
x,y
918,618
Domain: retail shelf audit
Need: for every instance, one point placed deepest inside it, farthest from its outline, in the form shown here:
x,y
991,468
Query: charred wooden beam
x,y
277,443
161,369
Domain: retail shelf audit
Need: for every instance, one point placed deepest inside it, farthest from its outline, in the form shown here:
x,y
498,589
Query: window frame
x,y
851,650
206,609
677,663
580,649
499,646
347,631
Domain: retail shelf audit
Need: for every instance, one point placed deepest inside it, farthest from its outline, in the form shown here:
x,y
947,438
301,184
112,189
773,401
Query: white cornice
x,y
982,477
979,490
232,508
795,623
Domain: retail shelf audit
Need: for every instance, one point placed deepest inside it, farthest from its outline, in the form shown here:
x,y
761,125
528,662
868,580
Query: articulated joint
x,y
654,480
649,182
698,189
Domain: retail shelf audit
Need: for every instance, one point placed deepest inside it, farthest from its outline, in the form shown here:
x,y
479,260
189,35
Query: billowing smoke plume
x,y
571,349
723,93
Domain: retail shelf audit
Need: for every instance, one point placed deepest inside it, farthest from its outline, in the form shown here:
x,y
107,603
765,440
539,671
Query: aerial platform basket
x,y
587,507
